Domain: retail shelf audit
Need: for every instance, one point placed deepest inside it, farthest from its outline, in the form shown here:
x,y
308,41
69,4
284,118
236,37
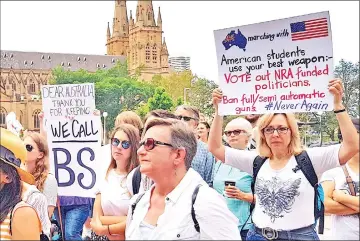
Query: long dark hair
x,y
11,192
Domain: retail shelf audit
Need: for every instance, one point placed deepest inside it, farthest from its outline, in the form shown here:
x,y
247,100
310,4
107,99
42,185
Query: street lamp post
x,y
105,114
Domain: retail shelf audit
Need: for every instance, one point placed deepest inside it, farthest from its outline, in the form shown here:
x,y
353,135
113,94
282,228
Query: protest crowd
x,y
173,176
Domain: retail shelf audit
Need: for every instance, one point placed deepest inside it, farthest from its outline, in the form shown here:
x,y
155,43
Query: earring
x,y
175,172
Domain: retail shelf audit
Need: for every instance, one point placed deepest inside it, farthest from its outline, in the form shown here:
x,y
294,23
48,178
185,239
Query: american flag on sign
x,y
314,28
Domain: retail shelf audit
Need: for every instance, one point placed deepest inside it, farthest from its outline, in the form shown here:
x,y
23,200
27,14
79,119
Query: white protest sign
x,y
277,66
12,124
73,133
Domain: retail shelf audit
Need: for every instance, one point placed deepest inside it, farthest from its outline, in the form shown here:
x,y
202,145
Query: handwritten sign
x,y
73,133
277,66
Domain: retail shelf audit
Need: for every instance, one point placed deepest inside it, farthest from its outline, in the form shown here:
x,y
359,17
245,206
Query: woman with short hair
x,y
180,205
285,206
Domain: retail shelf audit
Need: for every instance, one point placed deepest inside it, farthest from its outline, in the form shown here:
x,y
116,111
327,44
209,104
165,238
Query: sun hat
x,y
13,152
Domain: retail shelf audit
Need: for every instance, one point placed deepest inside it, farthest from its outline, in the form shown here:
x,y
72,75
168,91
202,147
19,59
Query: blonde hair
x,y
41,170
129,117
294,147
134,138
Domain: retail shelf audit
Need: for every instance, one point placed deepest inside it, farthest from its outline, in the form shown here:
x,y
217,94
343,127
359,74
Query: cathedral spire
x,y
159,19
121,22
108,34
145,13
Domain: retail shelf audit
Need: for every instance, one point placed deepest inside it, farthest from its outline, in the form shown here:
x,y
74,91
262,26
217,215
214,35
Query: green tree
x,y
349,73
200,96
174,84
160,100
115,90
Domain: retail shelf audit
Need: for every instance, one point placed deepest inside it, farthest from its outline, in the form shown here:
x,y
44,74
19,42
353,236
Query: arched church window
x,y
3,116
36,119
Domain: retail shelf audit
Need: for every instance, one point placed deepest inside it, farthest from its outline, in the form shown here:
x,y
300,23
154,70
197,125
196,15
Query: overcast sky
x,y
80,26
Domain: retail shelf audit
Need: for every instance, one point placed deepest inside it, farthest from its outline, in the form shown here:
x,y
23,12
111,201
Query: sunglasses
x,y
150,143
29,147
235,132
124,144
186,118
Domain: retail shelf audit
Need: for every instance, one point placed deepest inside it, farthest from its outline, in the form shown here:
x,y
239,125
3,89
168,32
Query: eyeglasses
x,y
186,118
280,130
235,132
150,144
124,144
29,147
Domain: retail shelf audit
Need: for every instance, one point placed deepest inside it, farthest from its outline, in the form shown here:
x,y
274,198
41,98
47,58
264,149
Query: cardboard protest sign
x,y
277,66
13,125
73,133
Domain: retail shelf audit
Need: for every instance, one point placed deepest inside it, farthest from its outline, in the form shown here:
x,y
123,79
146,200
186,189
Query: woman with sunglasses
x,y
37,164
112,201
180,205
285,198
232,183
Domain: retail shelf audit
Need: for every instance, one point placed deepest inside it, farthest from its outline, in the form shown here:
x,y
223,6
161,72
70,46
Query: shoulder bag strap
x,y
61,226
349,181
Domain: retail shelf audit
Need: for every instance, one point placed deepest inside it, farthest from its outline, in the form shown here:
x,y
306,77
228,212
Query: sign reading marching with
x,y
73,133
277,66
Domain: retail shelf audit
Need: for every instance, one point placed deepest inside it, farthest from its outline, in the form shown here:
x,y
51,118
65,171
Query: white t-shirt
x,y
344,227
115,197
284,198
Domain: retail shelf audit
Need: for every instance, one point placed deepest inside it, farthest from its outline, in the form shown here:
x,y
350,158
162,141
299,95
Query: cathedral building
x,y
139,41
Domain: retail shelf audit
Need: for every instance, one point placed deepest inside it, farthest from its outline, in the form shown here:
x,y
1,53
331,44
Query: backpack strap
x,y
305,165
136,180
196,223
133,206
257,164
349,181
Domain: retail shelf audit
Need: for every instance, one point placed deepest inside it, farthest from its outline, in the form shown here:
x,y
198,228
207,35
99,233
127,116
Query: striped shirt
x,y
5,228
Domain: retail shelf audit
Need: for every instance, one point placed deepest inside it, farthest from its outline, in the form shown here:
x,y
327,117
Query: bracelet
x,y
109,230
339,111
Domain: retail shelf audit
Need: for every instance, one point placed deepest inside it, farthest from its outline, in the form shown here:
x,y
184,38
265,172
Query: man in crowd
x,y
203,161
253,121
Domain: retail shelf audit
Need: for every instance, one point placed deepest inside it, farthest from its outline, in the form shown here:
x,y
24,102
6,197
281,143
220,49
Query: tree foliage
x,y
115,90
200,96
349,73
160,100
174,84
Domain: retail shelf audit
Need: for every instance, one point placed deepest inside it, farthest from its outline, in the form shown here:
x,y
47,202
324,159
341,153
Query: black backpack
x,y
194,195
304,164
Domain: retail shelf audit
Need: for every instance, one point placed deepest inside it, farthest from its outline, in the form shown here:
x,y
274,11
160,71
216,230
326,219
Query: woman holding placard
x,y
286,193
112,201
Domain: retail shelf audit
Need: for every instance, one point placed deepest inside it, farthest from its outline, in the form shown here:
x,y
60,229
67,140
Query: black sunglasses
x,y
236,132
124,144
29,147
186,118
150,143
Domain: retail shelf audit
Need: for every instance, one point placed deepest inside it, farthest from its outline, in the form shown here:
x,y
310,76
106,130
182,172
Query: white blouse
x,y
115,197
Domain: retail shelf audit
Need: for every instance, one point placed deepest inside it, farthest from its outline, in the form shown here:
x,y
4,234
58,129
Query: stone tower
x,y
140,39
118,42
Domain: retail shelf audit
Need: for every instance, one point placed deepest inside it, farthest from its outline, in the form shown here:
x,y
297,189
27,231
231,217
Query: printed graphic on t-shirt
x,y
345,187
276,197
